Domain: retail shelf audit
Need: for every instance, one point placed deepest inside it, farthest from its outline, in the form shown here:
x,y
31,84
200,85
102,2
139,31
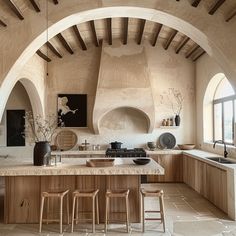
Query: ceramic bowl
x,y
141,161
186,146
151,145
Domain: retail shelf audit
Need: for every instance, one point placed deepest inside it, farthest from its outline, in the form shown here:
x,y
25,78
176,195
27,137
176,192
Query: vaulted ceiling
x,y
125,29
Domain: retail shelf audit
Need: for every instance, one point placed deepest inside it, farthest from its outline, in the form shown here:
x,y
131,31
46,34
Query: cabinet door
x,y
189,168
216,187
173,165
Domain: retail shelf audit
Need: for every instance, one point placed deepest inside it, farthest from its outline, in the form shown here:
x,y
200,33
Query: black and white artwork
x,y
72,110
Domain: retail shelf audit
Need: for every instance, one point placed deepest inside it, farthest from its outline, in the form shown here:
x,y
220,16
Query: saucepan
x,y
116,145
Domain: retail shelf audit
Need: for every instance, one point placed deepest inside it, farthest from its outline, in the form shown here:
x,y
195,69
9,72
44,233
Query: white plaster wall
x,y
79,74
206,69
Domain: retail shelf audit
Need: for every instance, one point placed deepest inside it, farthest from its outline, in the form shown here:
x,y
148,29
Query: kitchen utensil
x,y
116,145
186,146
141,161
167,140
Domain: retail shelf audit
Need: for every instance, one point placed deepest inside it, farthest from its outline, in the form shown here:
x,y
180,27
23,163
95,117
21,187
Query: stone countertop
x,y
77,166
203,155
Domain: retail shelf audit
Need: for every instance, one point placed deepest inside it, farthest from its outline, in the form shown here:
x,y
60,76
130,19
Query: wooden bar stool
x,y
156,193
117,194
93,194
53,194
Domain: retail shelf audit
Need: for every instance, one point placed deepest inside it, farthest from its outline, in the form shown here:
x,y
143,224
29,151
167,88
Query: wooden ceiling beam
x,y
231,16
181,44
126,27
158,30
192,50
79,37
65,44
55,2
170,39
54,50
2,23
95,38
140,36
35,5
109,30
199,55
15,9
43,56
216,6
195,3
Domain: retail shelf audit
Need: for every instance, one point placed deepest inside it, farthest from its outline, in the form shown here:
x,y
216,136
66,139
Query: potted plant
x,y
40,131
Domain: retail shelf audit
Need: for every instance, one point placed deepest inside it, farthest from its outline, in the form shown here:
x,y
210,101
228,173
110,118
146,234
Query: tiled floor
x,y
187,214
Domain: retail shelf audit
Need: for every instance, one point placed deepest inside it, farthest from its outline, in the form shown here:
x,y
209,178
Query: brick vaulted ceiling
x,y
82,36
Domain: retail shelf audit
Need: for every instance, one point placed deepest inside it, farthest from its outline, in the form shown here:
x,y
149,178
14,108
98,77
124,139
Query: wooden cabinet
x,y
208,180
173,165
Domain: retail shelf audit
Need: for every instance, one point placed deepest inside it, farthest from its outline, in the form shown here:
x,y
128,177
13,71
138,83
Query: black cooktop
x,y
124,152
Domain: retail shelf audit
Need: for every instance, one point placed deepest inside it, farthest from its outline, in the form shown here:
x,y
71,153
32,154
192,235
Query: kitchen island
x,y
25,182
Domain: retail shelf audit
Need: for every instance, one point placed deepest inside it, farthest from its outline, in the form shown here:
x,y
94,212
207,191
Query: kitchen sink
x,y
221,160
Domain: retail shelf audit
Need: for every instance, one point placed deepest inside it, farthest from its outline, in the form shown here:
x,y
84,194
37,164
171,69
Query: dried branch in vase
x,y
173,100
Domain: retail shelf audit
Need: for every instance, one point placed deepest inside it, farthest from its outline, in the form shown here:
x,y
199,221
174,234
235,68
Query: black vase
x,y
177,120
41,150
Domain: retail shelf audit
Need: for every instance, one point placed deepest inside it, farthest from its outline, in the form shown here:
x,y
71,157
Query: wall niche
x,y
124,120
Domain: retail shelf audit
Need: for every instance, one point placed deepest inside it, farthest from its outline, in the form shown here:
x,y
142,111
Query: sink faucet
x,y
221,141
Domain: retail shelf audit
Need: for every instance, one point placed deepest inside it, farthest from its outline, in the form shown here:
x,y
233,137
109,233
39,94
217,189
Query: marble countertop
x,y
77,166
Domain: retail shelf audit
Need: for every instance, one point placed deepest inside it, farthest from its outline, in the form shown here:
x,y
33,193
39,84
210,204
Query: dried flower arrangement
x,y
173,99
38,129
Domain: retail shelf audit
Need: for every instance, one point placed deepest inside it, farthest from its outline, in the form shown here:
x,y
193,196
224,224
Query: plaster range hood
x,y
123,83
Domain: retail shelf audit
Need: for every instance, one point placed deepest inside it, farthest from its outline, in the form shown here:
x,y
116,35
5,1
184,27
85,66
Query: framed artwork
x,y
72,110
15,128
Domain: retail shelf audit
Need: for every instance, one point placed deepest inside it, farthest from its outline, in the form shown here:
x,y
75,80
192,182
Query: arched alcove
x,y
124,120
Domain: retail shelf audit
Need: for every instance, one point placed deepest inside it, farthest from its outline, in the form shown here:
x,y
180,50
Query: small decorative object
x,y
40,131
72,109
167,140
168,122
171,122
141,161
177,120
151,145
164,122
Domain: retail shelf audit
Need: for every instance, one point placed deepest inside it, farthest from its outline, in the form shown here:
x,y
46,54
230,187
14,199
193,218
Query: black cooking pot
x,y
116,145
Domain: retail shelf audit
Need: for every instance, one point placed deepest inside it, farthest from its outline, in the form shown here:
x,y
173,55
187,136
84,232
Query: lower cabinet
x,y
173,165
208,180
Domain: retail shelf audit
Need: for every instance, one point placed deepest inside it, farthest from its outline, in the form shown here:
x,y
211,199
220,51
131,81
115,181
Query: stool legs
x,y
162,211
45,196
75,207
41,215
107,208
156,194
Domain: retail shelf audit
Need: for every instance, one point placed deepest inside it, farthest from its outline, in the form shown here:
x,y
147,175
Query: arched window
x,y
224,109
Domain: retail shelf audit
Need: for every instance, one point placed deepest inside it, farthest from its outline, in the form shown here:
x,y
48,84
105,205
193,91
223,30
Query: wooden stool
x,y
155,193
117,194
93,194
53,194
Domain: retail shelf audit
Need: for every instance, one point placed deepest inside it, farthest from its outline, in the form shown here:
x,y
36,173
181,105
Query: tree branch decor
x,y
173,100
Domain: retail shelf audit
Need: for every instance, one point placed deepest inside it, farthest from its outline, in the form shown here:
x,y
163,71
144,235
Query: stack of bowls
x,y
151,145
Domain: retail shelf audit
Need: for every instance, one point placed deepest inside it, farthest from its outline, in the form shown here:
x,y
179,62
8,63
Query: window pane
x,y
224,89
228,122
218,121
